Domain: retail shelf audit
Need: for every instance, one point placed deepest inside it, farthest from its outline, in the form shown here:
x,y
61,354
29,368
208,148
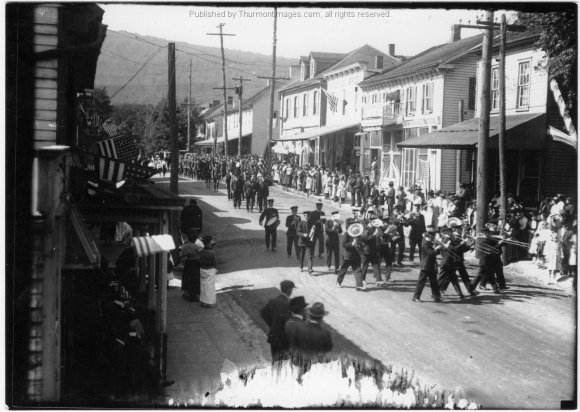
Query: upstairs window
x,y
523,98
304,104
295,106
286,105
427,102
472,93
495,88
315,102
410,102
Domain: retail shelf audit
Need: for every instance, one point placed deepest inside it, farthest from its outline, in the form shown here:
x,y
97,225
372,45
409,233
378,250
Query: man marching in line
x,y
315,219
303,231
268,214
428,266
333,231
351,259
291,236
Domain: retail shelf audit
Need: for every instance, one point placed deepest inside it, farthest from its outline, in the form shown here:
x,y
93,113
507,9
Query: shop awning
x,y
563,137
523,131
318,131
220,140
149,245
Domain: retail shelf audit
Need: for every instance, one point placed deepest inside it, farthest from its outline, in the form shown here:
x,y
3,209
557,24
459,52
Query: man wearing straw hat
x,y
333,230
351,245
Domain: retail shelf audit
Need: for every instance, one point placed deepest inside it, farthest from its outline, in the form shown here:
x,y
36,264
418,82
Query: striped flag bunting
x,y
110,128
332,100
92,187
119,147
150,245
266,164
113,170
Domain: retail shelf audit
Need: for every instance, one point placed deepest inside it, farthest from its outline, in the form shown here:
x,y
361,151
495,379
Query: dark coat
x,y
332,232
417,224
429,257
292,225
311,338
191,218
303,234
369,240
351,251
275,314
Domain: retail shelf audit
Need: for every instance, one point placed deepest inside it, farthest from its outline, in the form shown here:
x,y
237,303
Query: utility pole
x,y
483,135
501,138
189,112
240,91
173,182
222,34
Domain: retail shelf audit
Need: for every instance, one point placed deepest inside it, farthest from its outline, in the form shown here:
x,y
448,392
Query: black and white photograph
x,y
283,205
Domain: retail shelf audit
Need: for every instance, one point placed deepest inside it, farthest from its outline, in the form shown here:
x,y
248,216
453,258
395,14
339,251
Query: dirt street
x,y
515,350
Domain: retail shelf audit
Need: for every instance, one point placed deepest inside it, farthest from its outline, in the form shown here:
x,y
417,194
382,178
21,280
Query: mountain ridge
x,y
123,54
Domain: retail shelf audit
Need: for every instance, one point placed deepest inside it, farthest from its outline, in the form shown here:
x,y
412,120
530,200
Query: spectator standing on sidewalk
x,y
191,218
276,313
310,339
208,272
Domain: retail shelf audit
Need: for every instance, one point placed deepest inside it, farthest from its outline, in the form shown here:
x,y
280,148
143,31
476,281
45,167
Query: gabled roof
x,y
327,56
365,53
428,59
256,97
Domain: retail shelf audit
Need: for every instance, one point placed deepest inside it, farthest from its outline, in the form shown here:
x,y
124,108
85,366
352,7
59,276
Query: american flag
x,y
115,171
266,164
119,147
110,128
332,100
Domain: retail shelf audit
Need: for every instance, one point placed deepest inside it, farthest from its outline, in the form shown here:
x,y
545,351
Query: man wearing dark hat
x,y
310,339
303,231
275,314
269,213
333,230
297,306
354,219
315,219
291,236
428,266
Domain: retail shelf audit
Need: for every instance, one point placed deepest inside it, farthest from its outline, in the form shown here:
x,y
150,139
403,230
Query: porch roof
x,y
219,140
523,131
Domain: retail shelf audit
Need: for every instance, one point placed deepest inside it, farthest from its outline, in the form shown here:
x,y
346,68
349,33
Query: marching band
x,y
371,236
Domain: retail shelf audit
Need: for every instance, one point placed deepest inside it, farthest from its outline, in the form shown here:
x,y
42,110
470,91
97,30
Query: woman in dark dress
x,y
189,256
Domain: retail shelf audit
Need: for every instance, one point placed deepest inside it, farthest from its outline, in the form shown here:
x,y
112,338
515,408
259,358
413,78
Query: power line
x,y
139,70
135,37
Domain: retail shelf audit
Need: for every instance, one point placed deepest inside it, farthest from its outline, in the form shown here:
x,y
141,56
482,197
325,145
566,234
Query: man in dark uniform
x,y
315,219
333,230
370,254
263,193
275,314
191,218
417,223
291,236
428,266
398,241
354,219
269,213
303,232
250,187
310,340
463,246
449,259
238,191
391,198
489,261
352,259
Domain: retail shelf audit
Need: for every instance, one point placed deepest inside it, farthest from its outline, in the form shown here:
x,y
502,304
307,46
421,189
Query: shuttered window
x,y
523,98
427,102
495,88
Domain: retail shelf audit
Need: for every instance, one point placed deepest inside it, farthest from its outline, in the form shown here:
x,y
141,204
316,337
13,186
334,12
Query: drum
x,y
271,221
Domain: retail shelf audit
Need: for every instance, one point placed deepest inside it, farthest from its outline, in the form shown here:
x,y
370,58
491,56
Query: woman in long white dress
x,y
208,271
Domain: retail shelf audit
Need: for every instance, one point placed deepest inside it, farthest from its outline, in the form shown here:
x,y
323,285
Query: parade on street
x,y
291,206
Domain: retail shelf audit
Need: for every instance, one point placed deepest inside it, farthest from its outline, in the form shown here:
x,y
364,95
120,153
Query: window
x,y
315,102
427,102
304,104
344,102
495,88
295,106
523,100
286,105
472,93
410,102
312,68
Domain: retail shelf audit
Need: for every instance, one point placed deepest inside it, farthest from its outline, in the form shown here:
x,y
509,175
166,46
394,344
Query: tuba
x,y
355,230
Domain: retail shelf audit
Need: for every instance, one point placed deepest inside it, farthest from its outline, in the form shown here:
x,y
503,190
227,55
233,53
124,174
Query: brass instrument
x,y
355,229
312,232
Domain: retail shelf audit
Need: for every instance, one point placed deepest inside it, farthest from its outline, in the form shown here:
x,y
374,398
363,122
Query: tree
x,y
102,102
558,39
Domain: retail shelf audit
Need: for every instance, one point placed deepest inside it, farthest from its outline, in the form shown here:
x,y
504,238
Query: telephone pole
x,y
483,135
222,34
189,112
173,181
240,91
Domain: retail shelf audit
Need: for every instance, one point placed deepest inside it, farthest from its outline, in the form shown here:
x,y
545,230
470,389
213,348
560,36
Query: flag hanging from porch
x,y
332,100
114,171
119,147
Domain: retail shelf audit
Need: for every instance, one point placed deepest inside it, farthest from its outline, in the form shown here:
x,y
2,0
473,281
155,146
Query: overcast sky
x,y
300,30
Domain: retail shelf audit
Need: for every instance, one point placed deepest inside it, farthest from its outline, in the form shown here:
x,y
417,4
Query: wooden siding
x,y
46,76
448,161
456,88
560,169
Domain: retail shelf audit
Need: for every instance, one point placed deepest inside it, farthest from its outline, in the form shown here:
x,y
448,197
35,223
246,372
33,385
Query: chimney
x,y
391,49
455,33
